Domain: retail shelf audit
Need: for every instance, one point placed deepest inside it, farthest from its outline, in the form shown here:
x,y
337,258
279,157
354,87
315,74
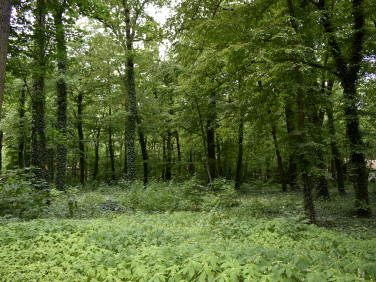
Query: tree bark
x,y
111,149
5,11
81,145
169,156
304,161
210,138
336,154
292,170
132,100
39,154
96,160
279,160
179,152
61,152
347,70
145,157
21,137
239,163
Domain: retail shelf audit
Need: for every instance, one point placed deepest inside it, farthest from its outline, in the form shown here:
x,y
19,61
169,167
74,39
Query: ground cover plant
x,y
261,236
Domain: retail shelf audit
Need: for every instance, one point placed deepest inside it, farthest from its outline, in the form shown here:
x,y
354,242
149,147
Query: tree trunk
x,y
169,156
238,172
5,11
219,160
39,155
292,170
347,70
279,160
304,161
145,157
61,152
21,138
81,145
336,154
164,159
210,137
111,149
132,100
179,152
191,166
96,160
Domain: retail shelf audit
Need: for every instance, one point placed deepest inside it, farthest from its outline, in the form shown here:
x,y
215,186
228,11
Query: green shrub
x,y
22,195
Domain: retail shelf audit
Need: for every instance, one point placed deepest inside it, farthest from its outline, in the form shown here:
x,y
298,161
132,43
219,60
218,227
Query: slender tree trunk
x,y
21,138
336,154
179,152
239,163
39,154
61,152
279,160
1,151
219,160
164,159
169,156
210,137
111,149
81,145
96,160
191,166
132,100
292,170
125,168
5,11
145,157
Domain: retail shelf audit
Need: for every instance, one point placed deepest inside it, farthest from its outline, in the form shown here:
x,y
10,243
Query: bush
x,y
22,195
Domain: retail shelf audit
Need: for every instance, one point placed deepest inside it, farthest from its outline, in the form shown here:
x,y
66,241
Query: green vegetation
x,y
167,232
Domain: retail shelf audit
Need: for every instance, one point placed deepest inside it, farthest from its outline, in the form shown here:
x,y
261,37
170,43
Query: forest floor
x,y
261,236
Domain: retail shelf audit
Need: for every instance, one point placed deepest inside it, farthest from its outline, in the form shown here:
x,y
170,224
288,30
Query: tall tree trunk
x,y
132,100
81,145
239,163
1,151
336,154
5,11
347,70
179,152
191,166
21,138
145,157
164,159
219,160
279,160
61,152
169,156
39,155
292,170
111,149
304,161
96,160
210,137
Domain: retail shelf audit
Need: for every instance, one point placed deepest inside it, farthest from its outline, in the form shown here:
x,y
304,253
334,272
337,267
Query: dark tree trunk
x,y
164,159
96,160
132,100
219,160
5,11
292,170
125,168
21,138
336,154
239,163
347,70
304,161
61,152
1,151
191,166
145,157
39,155
179,152
81,145
210,137
279,160
169,156
111,150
